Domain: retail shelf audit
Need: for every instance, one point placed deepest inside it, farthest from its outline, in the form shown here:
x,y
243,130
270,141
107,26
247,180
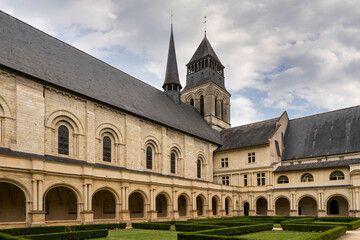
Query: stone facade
x,y
114,165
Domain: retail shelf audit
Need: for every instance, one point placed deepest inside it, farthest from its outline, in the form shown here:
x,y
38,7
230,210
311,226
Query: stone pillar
x,y
193,211
175,211
321,210
87,215
235,210
270,211
209,212
222,210
293,210
252,211
152,213
37,215
124,213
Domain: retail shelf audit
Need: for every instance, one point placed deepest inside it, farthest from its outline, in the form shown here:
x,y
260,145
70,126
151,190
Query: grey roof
x,y
28,50
330,133
172,74
204,49
248,135
318,165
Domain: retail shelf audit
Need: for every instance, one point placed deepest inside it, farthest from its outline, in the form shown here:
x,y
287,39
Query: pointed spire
x,y
204,49
172,74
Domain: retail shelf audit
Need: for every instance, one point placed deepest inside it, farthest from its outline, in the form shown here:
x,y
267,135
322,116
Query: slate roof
x,y
318,165
330,133
204,49
172,74
35,53
247,135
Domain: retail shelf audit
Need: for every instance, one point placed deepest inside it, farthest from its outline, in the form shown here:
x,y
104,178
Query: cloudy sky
x,y
298,56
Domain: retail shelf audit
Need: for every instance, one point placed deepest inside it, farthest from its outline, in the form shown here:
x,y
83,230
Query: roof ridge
x,y
77,49
249,124
318,114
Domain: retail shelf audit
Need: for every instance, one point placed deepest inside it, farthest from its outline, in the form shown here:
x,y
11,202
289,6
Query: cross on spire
x,y
172,15
205,25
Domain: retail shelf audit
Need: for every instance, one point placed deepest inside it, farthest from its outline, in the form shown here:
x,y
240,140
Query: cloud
x,y
301,55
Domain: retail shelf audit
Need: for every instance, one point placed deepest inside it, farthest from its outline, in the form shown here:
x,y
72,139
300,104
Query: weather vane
x,y
172,18
205,25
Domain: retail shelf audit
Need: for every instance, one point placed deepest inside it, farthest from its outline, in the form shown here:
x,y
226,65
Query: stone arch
x,y
111,131
199,93
189,97
162,202
338,205
216,203
183,204
246,208
282,206
200,205
307,205
61,202
63,115
261,206
155,145
103,204
110,189
203,173
137,201
228,206
4,108
13,200
179,163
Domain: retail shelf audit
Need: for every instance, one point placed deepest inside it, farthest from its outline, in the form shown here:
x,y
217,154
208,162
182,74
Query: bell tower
x,y
205,88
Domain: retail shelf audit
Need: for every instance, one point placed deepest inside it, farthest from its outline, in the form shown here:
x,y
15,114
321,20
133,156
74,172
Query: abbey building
x,y
83,142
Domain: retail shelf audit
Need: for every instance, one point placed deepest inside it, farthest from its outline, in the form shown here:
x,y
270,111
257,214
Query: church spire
x,y
172,82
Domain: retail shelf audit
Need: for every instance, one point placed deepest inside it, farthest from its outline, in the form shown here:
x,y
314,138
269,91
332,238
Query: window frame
x,y
173,163
149,158
225,180
284,179
246,181
63,140
199,168
261,179
107,154
334,176
308,176
224,162
251,157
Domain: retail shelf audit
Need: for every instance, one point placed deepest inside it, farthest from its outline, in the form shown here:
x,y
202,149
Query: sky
x,y
302,57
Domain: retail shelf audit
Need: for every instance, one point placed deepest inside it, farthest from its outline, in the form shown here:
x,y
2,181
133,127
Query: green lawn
x,y
279,235
133,233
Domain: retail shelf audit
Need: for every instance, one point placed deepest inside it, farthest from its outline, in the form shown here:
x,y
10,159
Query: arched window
x,y
198,168
192,102
307,177
202,105
222,109
106,149
149,157
63,140
283,179
216,110
337,175
172,163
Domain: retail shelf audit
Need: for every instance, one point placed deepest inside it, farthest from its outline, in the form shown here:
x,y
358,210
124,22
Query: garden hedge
x,y
79,235
150,225
189,227
224,233
57,229
5,236
307,227
330,234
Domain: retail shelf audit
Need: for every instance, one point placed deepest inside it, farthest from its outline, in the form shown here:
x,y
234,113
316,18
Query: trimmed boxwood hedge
x,y
330,234
151,225
189,227
307,227
5,236
33,230
57,229
224,233
79,235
